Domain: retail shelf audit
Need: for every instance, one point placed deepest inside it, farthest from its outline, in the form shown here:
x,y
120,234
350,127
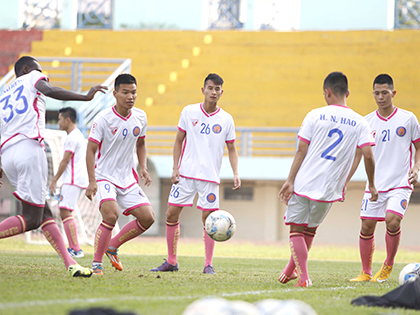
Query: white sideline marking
x,y
127,298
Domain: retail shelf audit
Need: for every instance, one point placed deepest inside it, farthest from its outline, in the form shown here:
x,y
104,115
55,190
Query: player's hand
x,y
373,193
144,175
286,193
52,187
92,91
236,182
91,190
175,177
413,175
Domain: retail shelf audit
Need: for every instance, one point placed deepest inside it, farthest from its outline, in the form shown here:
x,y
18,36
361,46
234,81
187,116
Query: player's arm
x,y
286,191
413,174
233,159
61,94
180,136
90,165
142,158
356,162
370,171
61,168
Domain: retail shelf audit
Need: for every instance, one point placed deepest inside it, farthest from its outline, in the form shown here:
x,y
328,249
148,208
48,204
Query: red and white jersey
x,y
76,172
333,133
204,143
393,151
116,136
22,110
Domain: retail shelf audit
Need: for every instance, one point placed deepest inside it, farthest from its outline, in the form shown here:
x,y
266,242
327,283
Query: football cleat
x,y
113,257
284,279
209,270
98,270
383,274
79,271
76,254
362,277
305,284
166,267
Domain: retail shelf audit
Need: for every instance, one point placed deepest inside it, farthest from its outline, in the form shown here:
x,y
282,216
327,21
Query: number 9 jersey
x,y
333,133
22,110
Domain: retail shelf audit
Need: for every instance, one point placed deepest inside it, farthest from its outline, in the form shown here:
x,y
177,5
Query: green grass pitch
x,y
33,279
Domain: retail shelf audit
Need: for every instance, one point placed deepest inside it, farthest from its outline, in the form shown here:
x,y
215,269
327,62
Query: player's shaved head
x,y
124,78
25,61
337,83
384,79
217,79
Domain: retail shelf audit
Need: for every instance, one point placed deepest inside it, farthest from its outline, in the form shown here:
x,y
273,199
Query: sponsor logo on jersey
x,y
404,203
217,128
194,122
141,193
113,130
93,127
373,133
211,197
136,131
401,131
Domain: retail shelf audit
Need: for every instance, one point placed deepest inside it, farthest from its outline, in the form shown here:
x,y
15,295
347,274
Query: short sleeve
x,y
70,144
365,136
35,77
306,132
144,129
231,134
182,124
415,129
97,130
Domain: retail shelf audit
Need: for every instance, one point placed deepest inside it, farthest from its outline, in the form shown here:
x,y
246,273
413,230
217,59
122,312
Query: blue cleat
x,y
166,267
76,254
209,270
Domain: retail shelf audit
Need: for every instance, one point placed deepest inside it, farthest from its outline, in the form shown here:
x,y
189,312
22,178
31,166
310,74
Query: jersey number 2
x,y
332,146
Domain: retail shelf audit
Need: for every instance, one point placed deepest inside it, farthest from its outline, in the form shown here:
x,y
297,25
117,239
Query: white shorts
x,y
395,201
183,193
69,196
127,199
302,211
25,165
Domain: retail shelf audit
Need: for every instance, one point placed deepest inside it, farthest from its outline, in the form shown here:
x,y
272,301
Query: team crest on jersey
x,y
211,197
113,130
404,203
373,133
136,131
194,122
217,128
401,131
61,198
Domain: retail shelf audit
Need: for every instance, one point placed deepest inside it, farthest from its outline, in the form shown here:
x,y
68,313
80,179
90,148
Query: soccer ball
x,y
284,307
409,273
220,225
208,306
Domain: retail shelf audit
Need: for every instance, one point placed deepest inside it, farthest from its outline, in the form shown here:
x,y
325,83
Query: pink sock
x,y
71,232
209,249
367,247
300,254
53,235
12,226
102,237
172,236
290,267
392,240
129,231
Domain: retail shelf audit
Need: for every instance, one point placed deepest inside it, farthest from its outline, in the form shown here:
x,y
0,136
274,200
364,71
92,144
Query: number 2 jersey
x,y
204,143
393,151
22,110
116,137
333,133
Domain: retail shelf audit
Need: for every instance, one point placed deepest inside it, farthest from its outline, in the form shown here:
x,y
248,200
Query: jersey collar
x,y
387,118
122,117
205,113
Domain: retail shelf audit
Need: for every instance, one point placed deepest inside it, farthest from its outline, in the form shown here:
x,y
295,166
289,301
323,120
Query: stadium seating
x,y
271,78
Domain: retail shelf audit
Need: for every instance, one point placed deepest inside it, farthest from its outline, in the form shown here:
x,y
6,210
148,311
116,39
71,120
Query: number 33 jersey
x,y
22,110
393,151
204,143
116,137
333,133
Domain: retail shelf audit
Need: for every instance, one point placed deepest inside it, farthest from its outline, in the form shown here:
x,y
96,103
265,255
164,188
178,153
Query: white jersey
x,y
393,151
333,133
76,172
204,143
117,136
22,110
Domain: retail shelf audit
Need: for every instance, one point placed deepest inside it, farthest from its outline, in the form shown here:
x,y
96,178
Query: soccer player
x,y
75,179
118,132
396,131
22,117
203,130
328,139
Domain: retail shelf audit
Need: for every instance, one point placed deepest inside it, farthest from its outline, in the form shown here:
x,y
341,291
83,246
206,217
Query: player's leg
x,y
68,201
208,246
